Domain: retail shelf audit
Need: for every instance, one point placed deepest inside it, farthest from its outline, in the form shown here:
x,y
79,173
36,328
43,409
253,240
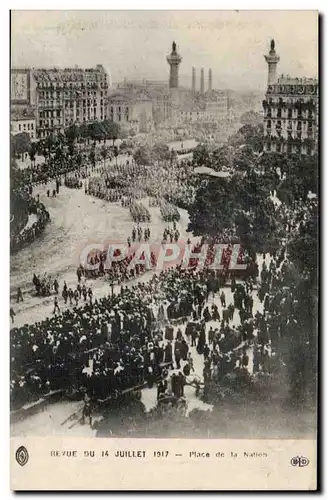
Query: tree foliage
x,y
143,156
20,143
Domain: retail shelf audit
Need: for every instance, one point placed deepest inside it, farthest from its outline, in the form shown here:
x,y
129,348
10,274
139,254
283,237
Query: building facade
x,y
61,97
23,125
291,116
131,108
291,112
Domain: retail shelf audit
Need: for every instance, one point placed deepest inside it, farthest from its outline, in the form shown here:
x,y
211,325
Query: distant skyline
x,y
134,44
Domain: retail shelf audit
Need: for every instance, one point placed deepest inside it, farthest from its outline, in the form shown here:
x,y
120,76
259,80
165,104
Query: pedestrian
x,y
206,315
76,296
193,336
223,299
56,286
90,294
65,295
211,336
168,355
56,306
19,296
12,314
190,362
206,351
215,313
244,359
87,410
177,353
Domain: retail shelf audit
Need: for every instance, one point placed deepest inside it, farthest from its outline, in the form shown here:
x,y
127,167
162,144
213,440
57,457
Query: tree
x,y
21,144
32,152
201,155
240,202
161,152
79,160
84,132
143,156
96,131
112,130
249,135
72,133
251,118
126,146
92,157
104,153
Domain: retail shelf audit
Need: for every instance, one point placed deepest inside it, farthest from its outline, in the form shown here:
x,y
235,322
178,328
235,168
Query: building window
x,y
290,113
269,124
19,127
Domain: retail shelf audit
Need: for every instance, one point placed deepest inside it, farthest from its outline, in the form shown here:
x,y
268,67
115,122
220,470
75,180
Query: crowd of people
x,y
139,212
174,182
118,271
73,181
169,212
139,234
31,231
104,346
172,234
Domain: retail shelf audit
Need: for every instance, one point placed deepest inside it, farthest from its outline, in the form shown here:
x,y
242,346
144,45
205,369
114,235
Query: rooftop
x,y
67,74
288,80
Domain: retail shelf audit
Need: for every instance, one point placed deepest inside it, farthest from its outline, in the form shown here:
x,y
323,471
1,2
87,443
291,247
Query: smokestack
x,y
193,80
210,80
202,86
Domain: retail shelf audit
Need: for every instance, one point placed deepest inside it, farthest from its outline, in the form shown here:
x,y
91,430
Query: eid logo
x,y
22,456
299,461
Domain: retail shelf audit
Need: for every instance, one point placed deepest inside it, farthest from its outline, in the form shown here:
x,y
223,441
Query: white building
x,y
23,121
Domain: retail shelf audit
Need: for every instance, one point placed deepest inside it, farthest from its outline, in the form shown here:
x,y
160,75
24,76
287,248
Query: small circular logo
x,y
22,456
299,461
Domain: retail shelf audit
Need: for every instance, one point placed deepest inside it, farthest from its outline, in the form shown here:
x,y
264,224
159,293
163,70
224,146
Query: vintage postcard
x,y
164,250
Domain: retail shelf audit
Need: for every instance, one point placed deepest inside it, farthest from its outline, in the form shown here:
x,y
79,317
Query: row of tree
x,y
88,132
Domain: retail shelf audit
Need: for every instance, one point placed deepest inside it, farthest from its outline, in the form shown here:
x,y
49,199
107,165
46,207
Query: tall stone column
x,y
272,60
174,60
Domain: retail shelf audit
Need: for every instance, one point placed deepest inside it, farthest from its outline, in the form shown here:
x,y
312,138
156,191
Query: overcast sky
x,y
135,43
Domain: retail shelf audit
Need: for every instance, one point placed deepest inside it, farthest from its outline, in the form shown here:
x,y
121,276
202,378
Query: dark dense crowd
x,y
33,230
104,346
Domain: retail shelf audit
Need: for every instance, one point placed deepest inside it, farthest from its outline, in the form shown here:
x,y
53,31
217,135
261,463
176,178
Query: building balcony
x,y
48,106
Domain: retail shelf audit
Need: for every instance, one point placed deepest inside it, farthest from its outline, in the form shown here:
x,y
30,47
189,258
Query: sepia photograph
x,y
164,212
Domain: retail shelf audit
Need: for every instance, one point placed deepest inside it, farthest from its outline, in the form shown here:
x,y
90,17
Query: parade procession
x,y
163,255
